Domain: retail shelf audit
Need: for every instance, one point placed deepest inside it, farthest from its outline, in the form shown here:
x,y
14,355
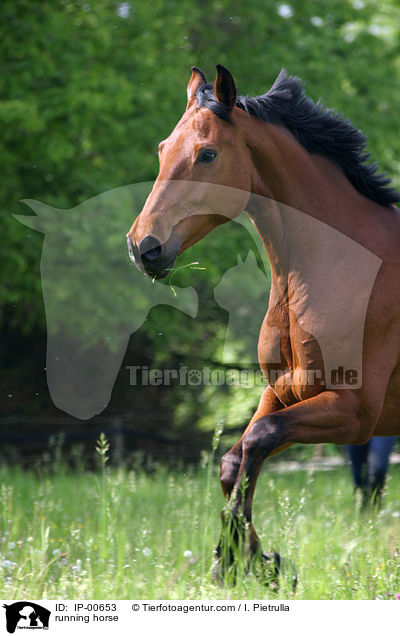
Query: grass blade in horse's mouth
x,y
175,270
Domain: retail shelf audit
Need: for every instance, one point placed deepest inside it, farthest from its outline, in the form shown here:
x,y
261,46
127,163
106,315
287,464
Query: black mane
x,y
316,128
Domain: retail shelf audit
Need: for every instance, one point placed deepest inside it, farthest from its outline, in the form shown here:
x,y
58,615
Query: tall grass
x,y
126,533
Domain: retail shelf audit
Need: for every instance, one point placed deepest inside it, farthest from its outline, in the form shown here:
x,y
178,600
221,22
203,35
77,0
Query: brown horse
x,y
332,235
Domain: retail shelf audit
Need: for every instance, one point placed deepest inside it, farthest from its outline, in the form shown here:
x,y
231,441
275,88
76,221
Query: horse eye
x,y
206,156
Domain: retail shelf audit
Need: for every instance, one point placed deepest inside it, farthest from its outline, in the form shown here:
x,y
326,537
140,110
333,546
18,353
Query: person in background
x,y
369,464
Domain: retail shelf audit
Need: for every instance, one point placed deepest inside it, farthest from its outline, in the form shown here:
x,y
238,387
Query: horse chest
x,y
289,356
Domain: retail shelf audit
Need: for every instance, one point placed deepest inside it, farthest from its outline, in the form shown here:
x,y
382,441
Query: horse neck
x,y
287,179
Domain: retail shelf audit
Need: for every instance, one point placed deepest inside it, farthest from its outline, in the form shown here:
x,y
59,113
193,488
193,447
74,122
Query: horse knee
x,y
360,435
265,435
360,431
358,421
230,463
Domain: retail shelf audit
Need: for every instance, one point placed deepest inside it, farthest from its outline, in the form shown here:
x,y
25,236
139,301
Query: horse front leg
x,y
331,416
229,468
230,462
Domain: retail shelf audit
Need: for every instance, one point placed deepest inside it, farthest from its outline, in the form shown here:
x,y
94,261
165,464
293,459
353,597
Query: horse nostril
x,y
150,248
130,249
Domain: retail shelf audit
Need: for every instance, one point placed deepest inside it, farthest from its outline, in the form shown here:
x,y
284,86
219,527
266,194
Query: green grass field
x,y
125,533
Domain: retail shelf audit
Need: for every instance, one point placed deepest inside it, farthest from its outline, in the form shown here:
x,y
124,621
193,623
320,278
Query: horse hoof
x,y
275,566
268,569
217,573
227,575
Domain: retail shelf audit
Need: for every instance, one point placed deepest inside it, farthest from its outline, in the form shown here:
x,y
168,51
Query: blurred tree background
x,y
87,90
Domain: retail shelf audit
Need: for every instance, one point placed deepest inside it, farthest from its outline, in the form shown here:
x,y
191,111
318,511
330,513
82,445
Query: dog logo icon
x,y
26,615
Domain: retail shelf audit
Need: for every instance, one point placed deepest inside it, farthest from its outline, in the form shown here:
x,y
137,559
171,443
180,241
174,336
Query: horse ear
x,y
224,87
196,79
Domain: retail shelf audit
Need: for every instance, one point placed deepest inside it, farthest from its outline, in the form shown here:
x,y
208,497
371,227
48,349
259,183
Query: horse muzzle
x,y
152,258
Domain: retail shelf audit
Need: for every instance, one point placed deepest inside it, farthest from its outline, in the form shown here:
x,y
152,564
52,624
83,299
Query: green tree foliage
x,y
89,88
